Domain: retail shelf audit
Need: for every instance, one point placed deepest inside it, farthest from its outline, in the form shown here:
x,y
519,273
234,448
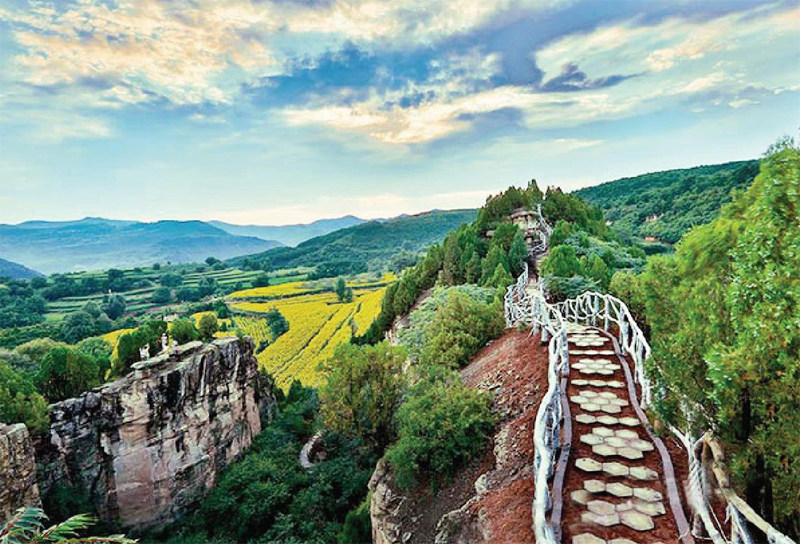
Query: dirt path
x,y
619,485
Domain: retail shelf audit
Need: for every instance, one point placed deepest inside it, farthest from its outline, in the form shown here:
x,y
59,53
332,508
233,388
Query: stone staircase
x,y
614,490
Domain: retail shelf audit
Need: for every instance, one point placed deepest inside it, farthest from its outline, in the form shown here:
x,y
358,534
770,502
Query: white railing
x,y
531,308
598,310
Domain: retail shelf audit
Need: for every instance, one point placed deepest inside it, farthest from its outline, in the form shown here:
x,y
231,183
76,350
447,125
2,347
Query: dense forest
x,y
724,318
665,205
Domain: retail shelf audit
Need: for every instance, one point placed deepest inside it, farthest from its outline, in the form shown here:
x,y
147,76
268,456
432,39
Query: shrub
x,y
66,373
183,330
20,402
364,388
440,428
208,326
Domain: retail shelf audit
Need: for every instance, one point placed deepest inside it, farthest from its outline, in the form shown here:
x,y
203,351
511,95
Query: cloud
x,y
609,73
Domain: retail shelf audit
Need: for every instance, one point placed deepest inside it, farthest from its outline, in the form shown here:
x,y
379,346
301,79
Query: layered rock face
x,y
17,470
146,448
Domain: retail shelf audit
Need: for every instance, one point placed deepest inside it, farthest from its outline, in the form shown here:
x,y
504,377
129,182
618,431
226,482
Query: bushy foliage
x,y
364,387
183,330
128,345
441,427
726,338
27,526
20,402
20,306
66,372
207,327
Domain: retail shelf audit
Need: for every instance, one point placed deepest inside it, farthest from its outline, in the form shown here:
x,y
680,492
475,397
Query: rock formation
x,y
17,470
146,448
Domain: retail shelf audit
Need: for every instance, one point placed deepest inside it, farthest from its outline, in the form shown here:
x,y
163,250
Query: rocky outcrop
x,y
146,448
17,470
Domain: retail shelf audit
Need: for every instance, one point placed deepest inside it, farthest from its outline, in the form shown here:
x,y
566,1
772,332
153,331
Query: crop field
x,y
295,288
139,299
317,324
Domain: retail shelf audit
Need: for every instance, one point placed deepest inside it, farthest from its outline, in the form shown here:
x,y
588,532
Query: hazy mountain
x,y
16,271
353,248
96,243
290,235
667,204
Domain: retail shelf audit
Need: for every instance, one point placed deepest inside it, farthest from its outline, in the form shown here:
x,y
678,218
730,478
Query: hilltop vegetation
x,y
666,204
368,246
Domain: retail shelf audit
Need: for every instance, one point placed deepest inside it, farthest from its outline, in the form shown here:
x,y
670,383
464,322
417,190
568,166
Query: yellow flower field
x,y
299,287
317,324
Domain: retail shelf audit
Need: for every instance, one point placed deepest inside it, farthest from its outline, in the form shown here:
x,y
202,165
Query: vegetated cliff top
x,y
666,204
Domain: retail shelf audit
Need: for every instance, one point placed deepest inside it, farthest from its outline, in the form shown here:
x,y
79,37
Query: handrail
x,y
592,307
532,309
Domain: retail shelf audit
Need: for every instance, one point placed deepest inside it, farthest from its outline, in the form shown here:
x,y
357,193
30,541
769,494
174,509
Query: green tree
x,y
187,294
517,254
115,306
364,387
20,402
562,261
171,280
66,373
262,280
595,267
561,231
161,295
100,350
726,342
207,327
496,257
183,330
340,289
36,349
441,427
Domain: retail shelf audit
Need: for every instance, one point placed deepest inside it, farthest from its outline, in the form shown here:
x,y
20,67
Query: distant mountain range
x,y
666,204
353,249
16,271
96,243
290,235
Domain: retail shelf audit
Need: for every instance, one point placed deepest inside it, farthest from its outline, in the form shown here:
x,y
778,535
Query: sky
x,y
286,111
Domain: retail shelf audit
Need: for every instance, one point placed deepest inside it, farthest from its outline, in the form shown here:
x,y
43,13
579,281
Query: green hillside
x,y
356,248
667,204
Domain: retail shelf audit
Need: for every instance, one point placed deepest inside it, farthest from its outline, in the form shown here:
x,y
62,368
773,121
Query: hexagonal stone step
x,y
622,541
643,473
605,450
594,486
646,494
602,508
580,382
630,453
636,520
615,384
615,469
588,464
586,419
629,421
606,520
619,490
591,439
587,538
651,509
581,496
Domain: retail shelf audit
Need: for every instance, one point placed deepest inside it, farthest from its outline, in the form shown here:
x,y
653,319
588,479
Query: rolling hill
x,y
290,235
16,271
667,204
352,249
96,243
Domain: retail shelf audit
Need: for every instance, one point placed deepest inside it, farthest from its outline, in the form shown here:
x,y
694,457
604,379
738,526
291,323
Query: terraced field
x,y
317,324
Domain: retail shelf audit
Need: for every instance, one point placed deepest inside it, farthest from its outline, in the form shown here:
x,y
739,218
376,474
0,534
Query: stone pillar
x,y
17,470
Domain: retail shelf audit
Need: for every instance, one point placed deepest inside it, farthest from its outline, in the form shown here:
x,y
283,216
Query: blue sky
x,y
282,111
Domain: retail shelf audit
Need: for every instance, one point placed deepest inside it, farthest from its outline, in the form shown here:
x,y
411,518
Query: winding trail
x,y
615,480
